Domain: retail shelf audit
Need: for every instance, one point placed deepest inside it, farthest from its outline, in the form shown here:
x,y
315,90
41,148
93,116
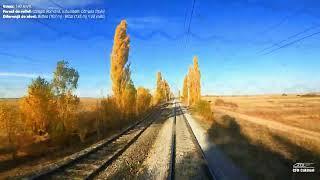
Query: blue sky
x,y
227,36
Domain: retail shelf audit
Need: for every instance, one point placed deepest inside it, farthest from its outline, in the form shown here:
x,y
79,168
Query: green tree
x,y
65,82
65,78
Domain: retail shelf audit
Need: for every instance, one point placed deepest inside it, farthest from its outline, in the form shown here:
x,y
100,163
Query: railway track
x,y
178,111
91,162
173,145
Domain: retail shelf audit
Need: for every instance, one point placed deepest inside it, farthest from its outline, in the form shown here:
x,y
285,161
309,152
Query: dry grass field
x,y
13,102
266,135
34,153
298,111
31,152
86,104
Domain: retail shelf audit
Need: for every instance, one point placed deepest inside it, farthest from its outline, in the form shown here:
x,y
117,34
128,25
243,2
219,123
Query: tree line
x,y
191,90
50,110
128,99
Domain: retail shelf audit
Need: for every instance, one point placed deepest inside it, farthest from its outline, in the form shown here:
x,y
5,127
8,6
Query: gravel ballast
x,y
131,164
189,162
157,164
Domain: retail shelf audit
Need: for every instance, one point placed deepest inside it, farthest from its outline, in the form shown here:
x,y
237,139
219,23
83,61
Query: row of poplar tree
x,y
191,90
129,100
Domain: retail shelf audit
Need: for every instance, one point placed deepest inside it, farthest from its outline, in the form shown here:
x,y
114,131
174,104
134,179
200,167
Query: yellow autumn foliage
x,y
166,89
196,79
51,109
192,84
143,100
64,83
119,58
67,105
157,95
38,108
185,89
162,92
107,116
129,100
9,122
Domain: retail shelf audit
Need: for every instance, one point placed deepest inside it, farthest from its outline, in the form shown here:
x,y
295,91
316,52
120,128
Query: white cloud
x,y
22,75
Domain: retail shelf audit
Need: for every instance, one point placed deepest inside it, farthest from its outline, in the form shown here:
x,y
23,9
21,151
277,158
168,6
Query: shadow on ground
x,y
257,160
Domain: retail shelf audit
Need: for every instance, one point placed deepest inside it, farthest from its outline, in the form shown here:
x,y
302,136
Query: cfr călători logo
x,y
303,167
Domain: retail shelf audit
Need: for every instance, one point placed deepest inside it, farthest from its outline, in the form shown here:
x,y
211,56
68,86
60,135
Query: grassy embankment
x,y
32,153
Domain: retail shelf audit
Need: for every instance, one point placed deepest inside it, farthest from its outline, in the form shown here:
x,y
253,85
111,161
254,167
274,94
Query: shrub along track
x,y
88,163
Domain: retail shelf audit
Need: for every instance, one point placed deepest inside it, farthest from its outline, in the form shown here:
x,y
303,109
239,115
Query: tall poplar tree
x,y
191,84
119,57
166,90
196,79
185,89
159,94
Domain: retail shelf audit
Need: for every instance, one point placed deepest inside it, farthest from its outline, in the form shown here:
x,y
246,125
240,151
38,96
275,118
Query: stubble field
x,y
265,135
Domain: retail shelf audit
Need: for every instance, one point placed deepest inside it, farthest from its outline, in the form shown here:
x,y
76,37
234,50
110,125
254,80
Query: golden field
x,y
265,135
85,103
293,110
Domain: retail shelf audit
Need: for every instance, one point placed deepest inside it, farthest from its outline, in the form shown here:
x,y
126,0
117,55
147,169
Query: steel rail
x,y
173,146
74,159
208,170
